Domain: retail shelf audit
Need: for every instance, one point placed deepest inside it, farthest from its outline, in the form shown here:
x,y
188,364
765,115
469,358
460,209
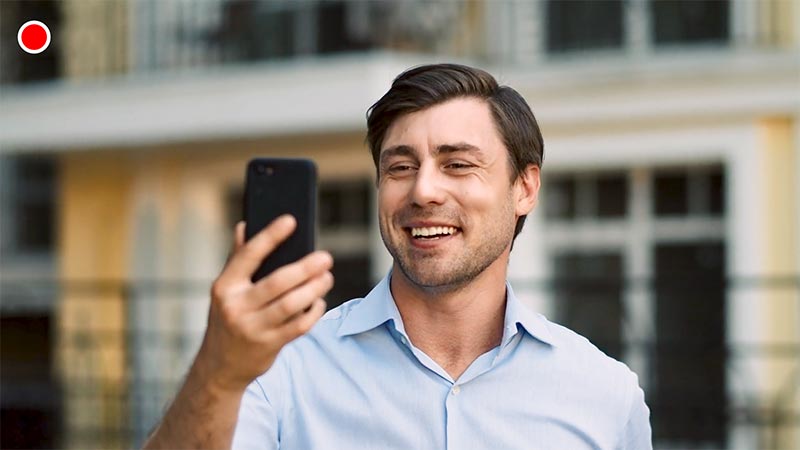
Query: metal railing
x,y
111,354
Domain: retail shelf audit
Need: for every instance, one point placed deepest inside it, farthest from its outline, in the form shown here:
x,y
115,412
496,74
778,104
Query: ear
x,y
526,190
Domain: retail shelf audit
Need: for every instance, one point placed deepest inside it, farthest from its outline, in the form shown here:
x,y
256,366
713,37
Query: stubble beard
x,y
440,273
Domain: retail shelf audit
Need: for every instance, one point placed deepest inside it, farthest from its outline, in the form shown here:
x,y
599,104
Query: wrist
x,y
204,376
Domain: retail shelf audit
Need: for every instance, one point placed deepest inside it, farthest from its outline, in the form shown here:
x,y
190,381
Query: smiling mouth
x,y
432,233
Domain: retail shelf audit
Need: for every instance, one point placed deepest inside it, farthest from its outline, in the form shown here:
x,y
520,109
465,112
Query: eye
x,y
400,168
458,165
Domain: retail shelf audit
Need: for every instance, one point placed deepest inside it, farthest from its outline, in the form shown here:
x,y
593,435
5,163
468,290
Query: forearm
x,y
199,417
248,324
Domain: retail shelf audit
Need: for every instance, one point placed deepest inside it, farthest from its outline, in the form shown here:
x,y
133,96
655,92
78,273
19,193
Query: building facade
x,y
667,230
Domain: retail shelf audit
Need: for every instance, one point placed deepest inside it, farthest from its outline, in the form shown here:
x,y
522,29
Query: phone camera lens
x,y
264,169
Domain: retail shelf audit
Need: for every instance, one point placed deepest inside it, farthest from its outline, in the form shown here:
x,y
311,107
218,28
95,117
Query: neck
x,y
454,325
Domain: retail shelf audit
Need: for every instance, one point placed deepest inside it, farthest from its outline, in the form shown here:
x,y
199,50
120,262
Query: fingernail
x,y
325,258
286,220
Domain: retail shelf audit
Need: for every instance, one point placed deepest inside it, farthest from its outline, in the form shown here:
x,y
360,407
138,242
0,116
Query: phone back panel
x,y
278,186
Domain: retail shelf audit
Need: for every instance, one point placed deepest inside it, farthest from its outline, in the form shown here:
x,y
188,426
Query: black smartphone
x,y
277,186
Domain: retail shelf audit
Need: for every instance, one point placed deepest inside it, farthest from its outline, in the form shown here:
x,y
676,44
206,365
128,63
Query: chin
x,y
429,281
431,278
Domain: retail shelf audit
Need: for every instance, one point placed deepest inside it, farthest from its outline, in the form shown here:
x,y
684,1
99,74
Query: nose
x,y
428,186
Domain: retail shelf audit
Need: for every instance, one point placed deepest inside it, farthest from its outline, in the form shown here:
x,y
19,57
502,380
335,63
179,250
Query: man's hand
x,y
248,324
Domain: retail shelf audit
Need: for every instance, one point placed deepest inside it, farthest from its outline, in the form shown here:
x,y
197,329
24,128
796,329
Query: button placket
x,y
454,424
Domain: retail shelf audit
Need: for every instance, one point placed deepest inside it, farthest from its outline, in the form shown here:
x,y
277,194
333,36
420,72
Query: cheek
x,y
495,206
482,198
390,198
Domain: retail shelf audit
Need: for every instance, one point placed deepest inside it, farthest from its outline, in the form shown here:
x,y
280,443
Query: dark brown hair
x,y
425,86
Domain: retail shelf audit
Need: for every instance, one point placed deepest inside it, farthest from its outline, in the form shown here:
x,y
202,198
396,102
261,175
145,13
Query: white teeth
x,y
432,231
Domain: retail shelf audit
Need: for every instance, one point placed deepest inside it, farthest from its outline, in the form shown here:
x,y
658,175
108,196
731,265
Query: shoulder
x,y
328,325
324,336
602,380
580,350
577,357
339,313
296,356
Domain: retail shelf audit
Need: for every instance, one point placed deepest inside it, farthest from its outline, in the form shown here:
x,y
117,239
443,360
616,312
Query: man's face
x,y
446,202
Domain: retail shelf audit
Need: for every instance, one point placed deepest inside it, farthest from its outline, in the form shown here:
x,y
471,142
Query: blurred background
x,y
667,232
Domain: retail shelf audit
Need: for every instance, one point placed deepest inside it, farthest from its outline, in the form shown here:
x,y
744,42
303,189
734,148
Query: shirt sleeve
x,y
637,433
258,424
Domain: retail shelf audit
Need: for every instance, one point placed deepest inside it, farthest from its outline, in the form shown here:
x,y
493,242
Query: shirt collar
x,y
375,309
378,307
518,314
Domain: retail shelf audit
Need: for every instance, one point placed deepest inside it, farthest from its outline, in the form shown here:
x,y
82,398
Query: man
x,y
440,354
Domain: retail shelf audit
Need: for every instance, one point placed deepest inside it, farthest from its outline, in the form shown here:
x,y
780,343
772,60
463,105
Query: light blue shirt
x,y
356,381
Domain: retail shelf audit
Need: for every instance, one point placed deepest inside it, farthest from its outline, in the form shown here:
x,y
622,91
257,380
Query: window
x,y
685,22
584,24
351,278
344,204
716,192
344,218
560,197
18,66
671,194
241,40
30,203
612,196
589,25
647,288
697,191
593,195
252,30
332,31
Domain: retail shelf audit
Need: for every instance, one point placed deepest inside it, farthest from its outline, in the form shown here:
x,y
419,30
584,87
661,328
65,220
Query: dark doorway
x,y
588,292
30,400
689,400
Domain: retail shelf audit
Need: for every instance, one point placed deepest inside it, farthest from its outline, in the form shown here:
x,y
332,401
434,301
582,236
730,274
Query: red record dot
x,y
33,37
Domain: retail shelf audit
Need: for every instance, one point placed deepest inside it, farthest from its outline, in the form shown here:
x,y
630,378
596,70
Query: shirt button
x,y
403,340
456,389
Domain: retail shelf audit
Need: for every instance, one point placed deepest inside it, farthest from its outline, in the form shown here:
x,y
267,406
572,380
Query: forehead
x,y
466,120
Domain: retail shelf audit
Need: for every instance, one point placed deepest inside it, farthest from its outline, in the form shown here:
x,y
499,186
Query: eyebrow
x,y
459,147
397,150
406,150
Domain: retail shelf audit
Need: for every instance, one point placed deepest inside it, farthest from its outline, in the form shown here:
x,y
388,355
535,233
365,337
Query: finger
x,y
303,322
238,240
296,301
288,277
250,255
